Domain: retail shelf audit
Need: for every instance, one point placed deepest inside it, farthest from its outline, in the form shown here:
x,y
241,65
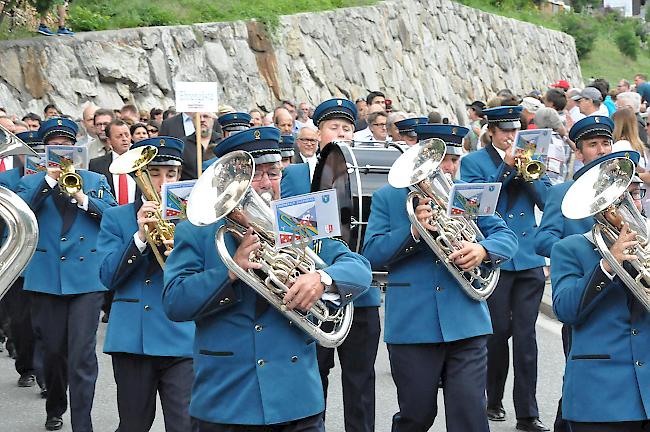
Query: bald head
x,y
89,119
7,124
283,120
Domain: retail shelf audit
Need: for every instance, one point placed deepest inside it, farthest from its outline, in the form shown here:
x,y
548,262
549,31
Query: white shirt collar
x,y
502,153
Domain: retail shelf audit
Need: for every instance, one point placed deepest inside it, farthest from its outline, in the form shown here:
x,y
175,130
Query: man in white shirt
x,y
307,143
122,185
366,135
572,107
590,102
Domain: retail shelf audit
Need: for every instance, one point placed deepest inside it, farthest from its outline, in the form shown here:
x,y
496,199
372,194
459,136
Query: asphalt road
x,y
22,410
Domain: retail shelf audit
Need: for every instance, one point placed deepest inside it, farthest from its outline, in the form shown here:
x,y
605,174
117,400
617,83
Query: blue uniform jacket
x,y
424,303
295,181
516,207
138,324
66,260
251,365
607,376
554,226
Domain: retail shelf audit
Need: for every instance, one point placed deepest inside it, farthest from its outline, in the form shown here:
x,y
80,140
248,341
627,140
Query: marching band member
x,y
150,353
335,119
406,129
593,138
230,123
606,384
515,303
17,302
434,330
253,368
66,297
286,149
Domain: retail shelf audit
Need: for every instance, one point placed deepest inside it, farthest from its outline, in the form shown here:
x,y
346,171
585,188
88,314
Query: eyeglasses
x,y
273,174
308,140
638,194
152,130
379,125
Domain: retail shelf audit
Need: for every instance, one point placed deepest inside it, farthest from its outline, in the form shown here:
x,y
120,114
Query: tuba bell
x,y
224,191
601,192
22,229
419,169
135,161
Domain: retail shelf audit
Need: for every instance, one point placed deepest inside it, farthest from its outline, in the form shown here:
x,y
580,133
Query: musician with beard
x,y
515,303
606,381
335,121
254,369
427,342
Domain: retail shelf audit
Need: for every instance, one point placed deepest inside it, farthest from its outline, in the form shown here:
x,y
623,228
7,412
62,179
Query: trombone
x,y
135,161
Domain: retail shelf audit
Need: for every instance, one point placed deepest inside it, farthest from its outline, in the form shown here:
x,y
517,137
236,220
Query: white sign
x,y
196,96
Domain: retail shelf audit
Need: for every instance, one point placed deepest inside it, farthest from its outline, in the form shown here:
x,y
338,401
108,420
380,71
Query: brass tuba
x,y
224,190
419,169
135,161
601,192
22,229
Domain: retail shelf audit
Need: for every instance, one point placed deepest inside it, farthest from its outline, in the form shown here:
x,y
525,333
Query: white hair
x,y
629,99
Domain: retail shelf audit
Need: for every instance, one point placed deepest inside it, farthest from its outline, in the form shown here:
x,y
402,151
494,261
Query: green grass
x,y
92,15
115,14
606,61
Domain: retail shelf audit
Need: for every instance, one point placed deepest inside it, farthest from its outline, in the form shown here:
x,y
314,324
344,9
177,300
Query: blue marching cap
x,y
632,155
504,117
452,135
286,146
170,150
335,108
31,138
261,142
407,126
235,121
58,126
592,126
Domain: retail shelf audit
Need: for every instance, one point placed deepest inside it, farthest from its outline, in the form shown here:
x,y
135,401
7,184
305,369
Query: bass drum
x,y
355,173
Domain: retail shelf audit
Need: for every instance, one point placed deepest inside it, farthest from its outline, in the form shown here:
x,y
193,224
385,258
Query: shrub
x,y
627,41
582,30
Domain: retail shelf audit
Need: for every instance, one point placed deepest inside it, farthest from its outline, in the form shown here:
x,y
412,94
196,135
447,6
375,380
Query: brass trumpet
x,y
69,181
529,168
135,161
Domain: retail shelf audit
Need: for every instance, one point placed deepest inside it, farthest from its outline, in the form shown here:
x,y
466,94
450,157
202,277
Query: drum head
x,y
332,173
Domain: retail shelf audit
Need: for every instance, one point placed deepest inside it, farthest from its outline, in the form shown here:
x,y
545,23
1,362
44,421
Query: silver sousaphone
x,y
419,169
22,229
601,192
224,191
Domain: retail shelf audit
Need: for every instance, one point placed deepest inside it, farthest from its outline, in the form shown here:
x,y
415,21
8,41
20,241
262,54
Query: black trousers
x,y
357,355
17,304
67,328
609,427
139,378
514,306
417,369
314,423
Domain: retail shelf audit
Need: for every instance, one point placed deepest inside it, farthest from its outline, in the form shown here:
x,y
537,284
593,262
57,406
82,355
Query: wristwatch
x,y
325,279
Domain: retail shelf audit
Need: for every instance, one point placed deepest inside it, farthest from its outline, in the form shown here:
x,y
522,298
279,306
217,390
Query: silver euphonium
x,y
224,190
22,229
419,169
601,192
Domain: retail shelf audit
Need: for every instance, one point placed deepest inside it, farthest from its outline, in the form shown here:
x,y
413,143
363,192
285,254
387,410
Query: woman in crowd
x,y
139,131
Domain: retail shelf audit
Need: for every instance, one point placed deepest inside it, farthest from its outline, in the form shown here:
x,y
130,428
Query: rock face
x,y
424,54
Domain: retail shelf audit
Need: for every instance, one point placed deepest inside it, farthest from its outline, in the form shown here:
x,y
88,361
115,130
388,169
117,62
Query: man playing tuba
x,y
606,382
253,367
434,330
